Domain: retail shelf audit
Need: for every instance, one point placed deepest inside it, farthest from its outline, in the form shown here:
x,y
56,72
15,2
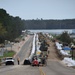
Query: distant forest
x,y
11,27
50,24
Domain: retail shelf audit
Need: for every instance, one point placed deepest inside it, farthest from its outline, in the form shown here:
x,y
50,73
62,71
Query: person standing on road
x,y
18,60
48,51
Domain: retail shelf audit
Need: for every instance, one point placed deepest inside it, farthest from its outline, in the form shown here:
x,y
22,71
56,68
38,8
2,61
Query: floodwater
x,y
56,31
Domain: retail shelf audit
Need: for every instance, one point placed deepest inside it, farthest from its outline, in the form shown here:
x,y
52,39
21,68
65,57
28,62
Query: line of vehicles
x,y
35,59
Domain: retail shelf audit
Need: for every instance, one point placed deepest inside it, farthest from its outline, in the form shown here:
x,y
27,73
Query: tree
x,y
2,30
12,26
64,37
2,33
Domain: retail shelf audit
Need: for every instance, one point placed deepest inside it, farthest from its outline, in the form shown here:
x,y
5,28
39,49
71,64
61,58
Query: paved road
x,y
52,68
21,70
57,68
24,52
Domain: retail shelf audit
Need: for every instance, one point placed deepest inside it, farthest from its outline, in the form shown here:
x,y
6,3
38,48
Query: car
x,y
26,62
9,61
35,63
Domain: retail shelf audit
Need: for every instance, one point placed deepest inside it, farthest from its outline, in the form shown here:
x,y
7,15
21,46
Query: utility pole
x,y
72,51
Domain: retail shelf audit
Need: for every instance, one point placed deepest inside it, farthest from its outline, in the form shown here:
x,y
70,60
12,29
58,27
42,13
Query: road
x,y
52,68
54,64
57,68
24,50
21,70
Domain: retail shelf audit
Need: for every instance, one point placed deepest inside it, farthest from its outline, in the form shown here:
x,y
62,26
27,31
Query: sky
x,y
45,9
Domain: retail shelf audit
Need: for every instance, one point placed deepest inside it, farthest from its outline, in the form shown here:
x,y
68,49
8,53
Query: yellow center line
x,y
41,71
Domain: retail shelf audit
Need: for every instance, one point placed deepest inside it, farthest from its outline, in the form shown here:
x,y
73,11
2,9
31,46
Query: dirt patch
x,y
53,55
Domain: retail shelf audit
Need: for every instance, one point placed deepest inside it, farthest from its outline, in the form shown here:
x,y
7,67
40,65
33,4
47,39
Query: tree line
x,y
50,24
10,27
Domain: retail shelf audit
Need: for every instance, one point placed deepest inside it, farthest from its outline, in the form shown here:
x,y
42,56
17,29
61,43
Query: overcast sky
x,y
46,9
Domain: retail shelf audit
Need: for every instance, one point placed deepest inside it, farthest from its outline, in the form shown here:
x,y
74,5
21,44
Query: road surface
x,y
52,68
57,68
21,70
24,52
54,64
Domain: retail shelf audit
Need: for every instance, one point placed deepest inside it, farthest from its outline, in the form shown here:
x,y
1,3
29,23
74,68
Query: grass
x,y
8,54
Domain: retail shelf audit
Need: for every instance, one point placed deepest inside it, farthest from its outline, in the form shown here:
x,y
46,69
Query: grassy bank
x,y
8,54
